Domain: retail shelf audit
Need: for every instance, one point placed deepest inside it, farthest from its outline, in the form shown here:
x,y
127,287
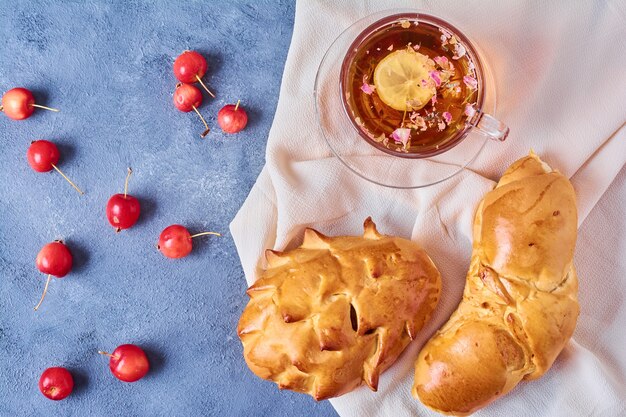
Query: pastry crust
x,y
519,305
337,311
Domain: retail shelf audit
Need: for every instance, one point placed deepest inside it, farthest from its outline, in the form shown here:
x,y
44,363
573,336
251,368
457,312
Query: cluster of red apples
x,y
189,68
128,362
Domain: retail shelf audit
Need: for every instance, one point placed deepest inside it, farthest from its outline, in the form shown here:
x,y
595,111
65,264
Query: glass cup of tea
x,y
414,86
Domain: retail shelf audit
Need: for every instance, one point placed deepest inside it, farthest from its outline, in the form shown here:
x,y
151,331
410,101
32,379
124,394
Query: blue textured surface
x,y
108,68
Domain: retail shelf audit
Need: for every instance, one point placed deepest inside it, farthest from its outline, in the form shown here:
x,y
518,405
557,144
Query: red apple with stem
x,y
43,156
232,118
54,259
175,241
56,383
123,209
19,104
190,67
187,98
128,363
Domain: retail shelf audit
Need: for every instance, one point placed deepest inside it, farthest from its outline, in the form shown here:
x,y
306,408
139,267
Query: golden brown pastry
x,y
337,311
519,305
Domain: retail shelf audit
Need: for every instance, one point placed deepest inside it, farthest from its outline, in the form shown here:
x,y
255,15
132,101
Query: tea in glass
x,y
410,85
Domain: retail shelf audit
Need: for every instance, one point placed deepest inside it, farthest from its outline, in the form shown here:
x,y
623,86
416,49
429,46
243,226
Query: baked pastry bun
x,y
519,305
337,311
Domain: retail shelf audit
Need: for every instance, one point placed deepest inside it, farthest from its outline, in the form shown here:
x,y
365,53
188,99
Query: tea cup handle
x,y
492,127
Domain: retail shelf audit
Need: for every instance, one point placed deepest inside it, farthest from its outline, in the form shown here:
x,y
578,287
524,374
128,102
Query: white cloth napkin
x,y
561,82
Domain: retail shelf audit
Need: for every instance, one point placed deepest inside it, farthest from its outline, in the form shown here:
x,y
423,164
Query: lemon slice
x,y
402,80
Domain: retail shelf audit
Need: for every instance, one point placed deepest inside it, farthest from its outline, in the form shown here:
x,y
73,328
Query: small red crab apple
x,y
187,98
175,241
123,209
54,259
56,383
43,156
232,118
190,67
19,104
128,363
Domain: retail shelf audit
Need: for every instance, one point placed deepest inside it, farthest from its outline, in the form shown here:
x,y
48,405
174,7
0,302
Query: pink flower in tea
x,y
418,122
459,51
390,47
417,47
368,88
435,76
469,110
442,61
441,126
433,100
447,116
401,135
471,82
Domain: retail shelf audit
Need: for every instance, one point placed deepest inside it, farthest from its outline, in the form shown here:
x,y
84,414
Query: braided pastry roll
x,y
519,305
336,312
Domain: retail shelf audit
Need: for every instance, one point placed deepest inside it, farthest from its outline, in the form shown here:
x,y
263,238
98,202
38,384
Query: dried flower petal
x,y
446,75
435,76
417,47
471,82
368,88
470,110
459,51
433,100
390,47
441,126
447,116
405,24
442,61
401,135
418,121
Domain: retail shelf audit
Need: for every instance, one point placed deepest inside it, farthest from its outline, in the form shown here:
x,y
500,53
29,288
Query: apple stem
x,y
130,171
46,108
67,179
237,105
206,132
1,108
45,290
102,352
204,234
204,86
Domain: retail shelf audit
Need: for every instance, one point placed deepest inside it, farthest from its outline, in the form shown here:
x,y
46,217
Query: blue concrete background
x,y
108,68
